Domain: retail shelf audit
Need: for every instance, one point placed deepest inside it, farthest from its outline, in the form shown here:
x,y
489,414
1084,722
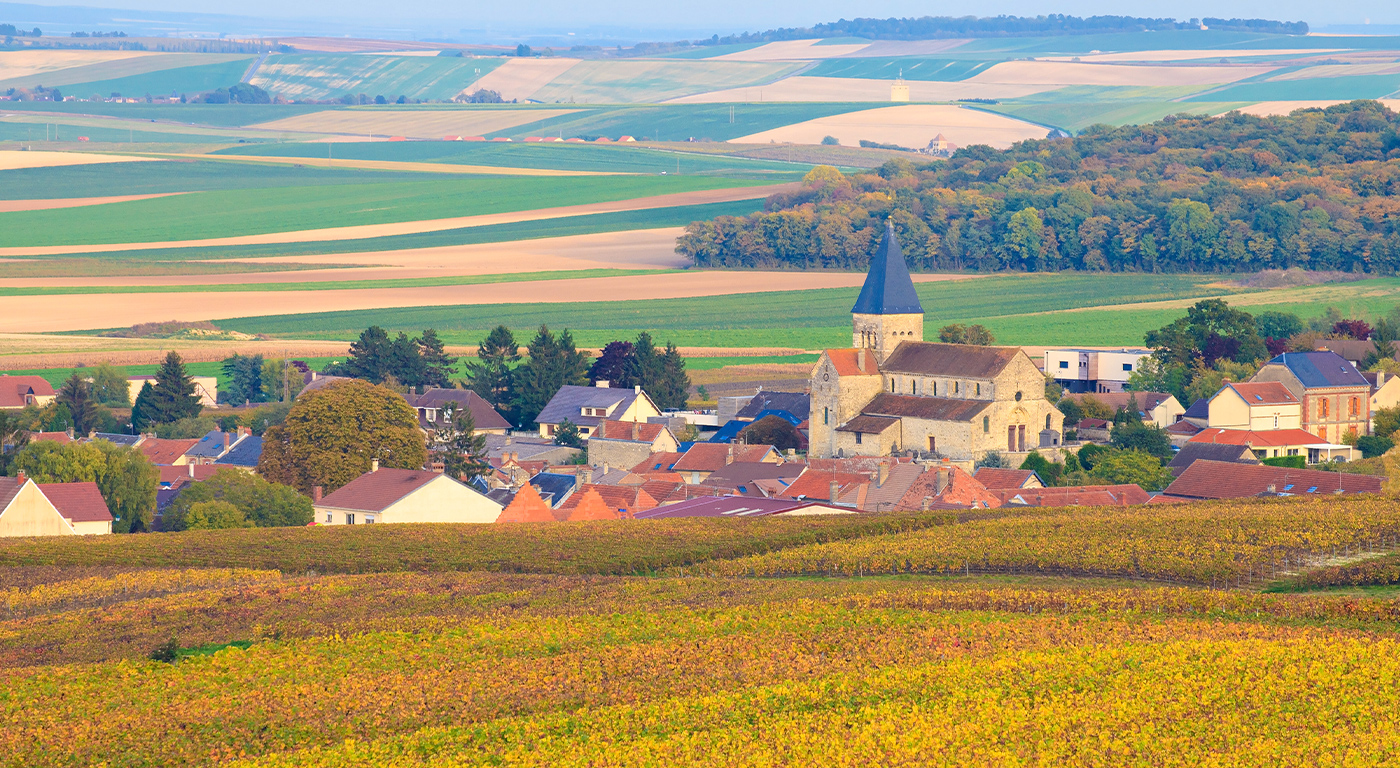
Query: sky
x,y
651,20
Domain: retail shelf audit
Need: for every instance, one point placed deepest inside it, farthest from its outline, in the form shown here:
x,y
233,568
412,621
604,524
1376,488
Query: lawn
x,y
944,70
566,157
331,75
227,213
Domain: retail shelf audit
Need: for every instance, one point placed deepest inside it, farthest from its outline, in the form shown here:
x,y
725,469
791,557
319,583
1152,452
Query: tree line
x,y
1233,193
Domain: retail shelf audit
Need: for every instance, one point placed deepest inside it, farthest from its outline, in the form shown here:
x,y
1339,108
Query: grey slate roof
x,y
244,453
118,439
554,489
1321,369
888,289
1193,452
211,446
931,408
483,415
798,404
1198,410
569,400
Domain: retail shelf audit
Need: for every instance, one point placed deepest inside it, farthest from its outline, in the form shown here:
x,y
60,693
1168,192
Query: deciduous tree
x,y
261,503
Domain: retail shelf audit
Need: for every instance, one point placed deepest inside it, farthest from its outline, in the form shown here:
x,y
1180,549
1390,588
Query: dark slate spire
x,y
888,290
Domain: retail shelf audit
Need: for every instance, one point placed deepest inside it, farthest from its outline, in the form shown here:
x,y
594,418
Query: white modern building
x,y
1093,370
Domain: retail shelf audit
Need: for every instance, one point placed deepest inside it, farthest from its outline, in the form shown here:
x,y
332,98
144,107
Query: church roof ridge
x,y
888,289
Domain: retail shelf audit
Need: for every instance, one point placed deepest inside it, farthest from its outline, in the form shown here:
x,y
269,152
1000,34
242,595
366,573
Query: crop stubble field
x,y
615,644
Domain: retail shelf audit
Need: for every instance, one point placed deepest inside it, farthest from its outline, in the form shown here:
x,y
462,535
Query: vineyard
x,y
1000,637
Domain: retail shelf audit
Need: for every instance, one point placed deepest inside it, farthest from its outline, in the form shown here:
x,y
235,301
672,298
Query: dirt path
x,y
13,206
429,225
36,314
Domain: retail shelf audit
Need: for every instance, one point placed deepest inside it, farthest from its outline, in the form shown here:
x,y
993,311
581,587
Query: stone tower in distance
x,y
888,310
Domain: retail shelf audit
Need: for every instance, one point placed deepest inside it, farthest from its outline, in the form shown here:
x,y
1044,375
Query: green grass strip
x,y
337,285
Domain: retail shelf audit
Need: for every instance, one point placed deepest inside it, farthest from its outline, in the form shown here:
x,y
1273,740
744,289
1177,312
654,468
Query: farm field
x,y
614,642
612,82
330,76
417,123
914,126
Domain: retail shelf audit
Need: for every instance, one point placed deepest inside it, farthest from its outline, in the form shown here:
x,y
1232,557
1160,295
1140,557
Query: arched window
x,y
1047,421
1322,408
1355,407
986,424
826,416
979,389
956,387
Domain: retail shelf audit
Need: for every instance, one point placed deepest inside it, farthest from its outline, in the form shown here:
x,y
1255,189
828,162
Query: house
x,y
553,488
621,501
587,407
160,451
1256,406
1352,350
244,454
701,459
1093,370
1227,480
431,405
17,392
205,387
1002,479
403,496
1275,443
1182,431
1385,392
528,448
894,392
626,443
947,487
754,478
1336,398
52,437
738,507
842,488
1190,453
1093,430
527,506
1075,496
28,508
215,445
1198,413
1158,408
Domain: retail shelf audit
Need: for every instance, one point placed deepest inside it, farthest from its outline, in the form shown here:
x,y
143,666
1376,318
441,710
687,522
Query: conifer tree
x,y
491,378
554,362
83,408
644,366
171,398
673,389
438,366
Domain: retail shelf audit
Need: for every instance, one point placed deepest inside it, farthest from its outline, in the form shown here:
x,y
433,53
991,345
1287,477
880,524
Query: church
x,y
893,391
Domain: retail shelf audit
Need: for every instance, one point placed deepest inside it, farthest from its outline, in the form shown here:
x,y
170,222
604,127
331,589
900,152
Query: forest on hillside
x,y
936,27
1316,189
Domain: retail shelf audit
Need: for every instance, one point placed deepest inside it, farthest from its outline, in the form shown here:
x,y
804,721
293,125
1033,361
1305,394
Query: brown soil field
x,y
631,249
430,225
24,351
12,159
39,314
1264,108
912,125
792,50
1061,73
1170,55
801,88
418,124
15,64
730,374
395,165
520,78
12,206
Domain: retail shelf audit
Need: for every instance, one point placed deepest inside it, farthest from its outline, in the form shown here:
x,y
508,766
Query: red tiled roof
x,y
14,388
998,478
847,362
628,430
1146,400
1183,427
178,475
816,485
79,502
1092,424
1074,496
1267,438
57,437
1225,480
162,451
375,491
590,505
1264,393
708,457
962,492
657,463
632,498
9,489
526,507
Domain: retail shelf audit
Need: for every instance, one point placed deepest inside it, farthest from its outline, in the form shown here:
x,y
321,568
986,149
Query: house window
x,y
349,519
956,387
1355,407
979,389
1018,397
858,437
1276,422
1322,409
1292,451
986,424
913,386
328,518
1047,421
368,520
1127,366
1064,364
932,444
826,416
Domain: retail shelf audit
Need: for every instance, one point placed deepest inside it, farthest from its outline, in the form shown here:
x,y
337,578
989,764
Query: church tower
x,y
888,310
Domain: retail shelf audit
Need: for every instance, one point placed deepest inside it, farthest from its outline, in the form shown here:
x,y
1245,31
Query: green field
x,y
678,122
228,213
177,176
564,226
568,157
166,82
333,75
32,135
944,70
1075,117
651,80
1181,39
222,115
72,78
1317,88
1018,309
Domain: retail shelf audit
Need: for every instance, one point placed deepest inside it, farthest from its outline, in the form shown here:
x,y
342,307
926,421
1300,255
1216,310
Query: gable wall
x,y
31,514
835,400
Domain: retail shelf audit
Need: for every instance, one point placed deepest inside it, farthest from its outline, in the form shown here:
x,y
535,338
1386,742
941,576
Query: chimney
x,y
374,465
636,430
942,480
1380,379
20,478
1272,488
508,439
226,437
835,490
605,467
191,468
884,474
439,468
729,457
860,360
317,492
92,434
601,383
585,476
637,390
925,504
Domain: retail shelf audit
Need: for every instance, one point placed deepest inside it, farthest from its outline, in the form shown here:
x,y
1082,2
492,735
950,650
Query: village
x,y
893,423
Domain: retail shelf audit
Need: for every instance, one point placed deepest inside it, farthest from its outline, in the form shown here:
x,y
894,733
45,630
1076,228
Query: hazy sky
x,y
725,16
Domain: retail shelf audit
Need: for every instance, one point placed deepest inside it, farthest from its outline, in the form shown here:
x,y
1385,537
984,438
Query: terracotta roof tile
x,y
657,463
847,362
1075,496
962,492
1272,438
57,437
1224,480
1146,400
592,506
9,489
14,389
623,500
376,491
627,430
816,485
526,507
708,457
999,478
79,502
1263,393
161,451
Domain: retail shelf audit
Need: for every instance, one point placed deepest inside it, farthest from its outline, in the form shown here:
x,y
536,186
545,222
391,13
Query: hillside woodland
x,y
1317,189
